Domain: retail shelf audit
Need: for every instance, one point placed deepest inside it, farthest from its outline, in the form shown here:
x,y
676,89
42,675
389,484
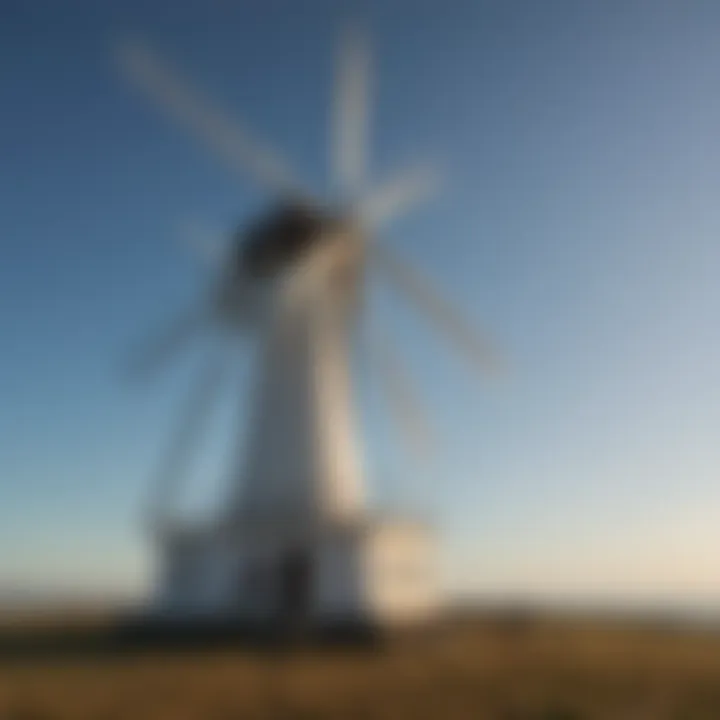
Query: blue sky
x,y
578,221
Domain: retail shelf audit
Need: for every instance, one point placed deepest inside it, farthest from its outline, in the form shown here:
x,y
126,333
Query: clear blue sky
x,y
579,222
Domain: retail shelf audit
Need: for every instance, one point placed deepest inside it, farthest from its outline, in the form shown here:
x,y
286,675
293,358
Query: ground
x,y
509,667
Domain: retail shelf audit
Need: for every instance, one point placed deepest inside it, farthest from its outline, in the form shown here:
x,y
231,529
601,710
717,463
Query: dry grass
x,y
542,670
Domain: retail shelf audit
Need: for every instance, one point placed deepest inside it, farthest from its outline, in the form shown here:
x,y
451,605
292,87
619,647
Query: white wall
x,y
385,572
401,573
339,587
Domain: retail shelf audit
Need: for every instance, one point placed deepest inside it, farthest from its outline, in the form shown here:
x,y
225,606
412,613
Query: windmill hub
x,y
294,539
279,241
295,245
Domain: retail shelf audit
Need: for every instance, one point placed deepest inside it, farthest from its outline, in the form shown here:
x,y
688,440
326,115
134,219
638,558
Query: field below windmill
x,y
489,666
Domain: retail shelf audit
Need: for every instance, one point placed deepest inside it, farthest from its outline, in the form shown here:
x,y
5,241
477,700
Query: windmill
x,y
294,538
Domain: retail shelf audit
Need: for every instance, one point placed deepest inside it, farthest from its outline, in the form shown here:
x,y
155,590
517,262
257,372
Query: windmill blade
x,y
446,317
210,247
401,397
350,114
398,196
227,139
185,439
165,344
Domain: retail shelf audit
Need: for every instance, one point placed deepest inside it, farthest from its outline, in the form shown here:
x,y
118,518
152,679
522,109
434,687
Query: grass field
x,y
488,667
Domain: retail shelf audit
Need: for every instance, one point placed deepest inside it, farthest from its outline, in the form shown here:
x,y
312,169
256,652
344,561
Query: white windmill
x,y
294,539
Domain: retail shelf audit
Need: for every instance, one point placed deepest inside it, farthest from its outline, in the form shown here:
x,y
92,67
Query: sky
x,y
577,223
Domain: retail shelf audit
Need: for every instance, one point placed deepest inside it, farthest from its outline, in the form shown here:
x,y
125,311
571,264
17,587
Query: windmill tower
x,y
295,540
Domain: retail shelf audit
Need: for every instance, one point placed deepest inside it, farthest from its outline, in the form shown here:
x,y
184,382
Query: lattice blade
x,y
160,348
395,198
231,142
447,318
402,398
350,114
185,439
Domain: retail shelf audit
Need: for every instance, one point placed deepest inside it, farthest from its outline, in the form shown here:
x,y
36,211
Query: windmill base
x,y
349,579
203,632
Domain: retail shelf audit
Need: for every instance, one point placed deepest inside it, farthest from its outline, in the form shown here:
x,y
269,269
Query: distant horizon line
x,y
36,598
